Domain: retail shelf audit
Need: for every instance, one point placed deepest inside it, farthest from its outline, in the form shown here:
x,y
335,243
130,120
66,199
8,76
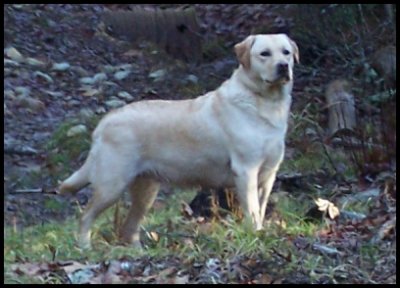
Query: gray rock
x,y
109,68
60,67
120,75
8,93
43,76
87,80
101,110
9,62
22,91
14,54
86,113
54,94
125,95
34,62
76,130
30,103
192,78
80,71
115,103
99,77
158,74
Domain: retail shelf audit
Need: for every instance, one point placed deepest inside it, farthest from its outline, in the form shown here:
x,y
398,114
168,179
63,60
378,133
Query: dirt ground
x,y
58,67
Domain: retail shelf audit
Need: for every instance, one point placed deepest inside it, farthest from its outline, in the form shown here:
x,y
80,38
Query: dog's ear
x,y
242,51
295,51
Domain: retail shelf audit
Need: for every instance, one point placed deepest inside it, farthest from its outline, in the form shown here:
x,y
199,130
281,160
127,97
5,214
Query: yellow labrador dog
x,y
230,137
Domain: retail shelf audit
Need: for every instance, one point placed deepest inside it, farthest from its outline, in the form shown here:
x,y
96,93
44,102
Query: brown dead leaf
x,y
200,219
263,279
133,53
158,205
30,269
205,228
327,207
154,236
89,92
188,242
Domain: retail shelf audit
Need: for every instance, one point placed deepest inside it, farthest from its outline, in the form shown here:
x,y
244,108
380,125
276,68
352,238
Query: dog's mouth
x,y
279,81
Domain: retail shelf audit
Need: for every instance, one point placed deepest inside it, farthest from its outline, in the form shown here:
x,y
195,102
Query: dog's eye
x,y
286,52
265,53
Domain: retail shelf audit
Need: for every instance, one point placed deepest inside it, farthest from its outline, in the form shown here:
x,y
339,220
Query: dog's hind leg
x,y
103,197
109,178
143,192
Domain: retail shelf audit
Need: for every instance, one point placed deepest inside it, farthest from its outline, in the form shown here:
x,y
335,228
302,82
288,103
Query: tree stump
x,y
384,62
341,107
174,30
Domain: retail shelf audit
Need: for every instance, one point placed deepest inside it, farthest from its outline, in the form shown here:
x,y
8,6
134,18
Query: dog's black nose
x,y
283,69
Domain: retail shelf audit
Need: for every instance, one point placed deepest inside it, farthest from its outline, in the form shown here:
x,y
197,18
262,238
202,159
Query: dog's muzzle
x,y
283,70
282,73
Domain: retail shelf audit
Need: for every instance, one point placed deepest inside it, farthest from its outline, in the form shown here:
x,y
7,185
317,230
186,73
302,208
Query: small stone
x,y
158,75
125,95
74,102
99,77
86,113
192,78
14,54
120,75
76,130
80,71
90,92
101,110
9,94
87,80
9,62
34,62
43,76
61,67
115,103
22,91
109,69
54,94
30,103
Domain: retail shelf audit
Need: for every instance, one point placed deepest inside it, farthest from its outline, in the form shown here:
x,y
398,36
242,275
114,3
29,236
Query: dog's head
x,y
268,57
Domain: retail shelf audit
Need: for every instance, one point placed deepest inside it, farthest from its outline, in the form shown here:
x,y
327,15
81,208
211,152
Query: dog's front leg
x,y
267,180
246,187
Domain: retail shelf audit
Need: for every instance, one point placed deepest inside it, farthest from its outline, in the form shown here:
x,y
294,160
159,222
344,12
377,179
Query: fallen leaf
x,y
327,207
263,279
89,92
181,279
133,53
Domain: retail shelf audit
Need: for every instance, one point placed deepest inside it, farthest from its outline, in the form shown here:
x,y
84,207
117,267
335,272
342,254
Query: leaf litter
x,y
45,83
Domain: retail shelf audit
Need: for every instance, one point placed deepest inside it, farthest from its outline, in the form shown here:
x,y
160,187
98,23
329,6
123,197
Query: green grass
x,y
64,150
178,236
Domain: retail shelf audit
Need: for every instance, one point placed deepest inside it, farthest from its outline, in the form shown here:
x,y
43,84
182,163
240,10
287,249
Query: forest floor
x,y
61,75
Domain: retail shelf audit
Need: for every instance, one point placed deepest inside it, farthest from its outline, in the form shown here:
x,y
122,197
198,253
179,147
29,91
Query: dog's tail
x,y
76,181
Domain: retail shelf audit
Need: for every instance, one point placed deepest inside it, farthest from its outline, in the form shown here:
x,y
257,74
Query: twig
x,y
20,151
38,190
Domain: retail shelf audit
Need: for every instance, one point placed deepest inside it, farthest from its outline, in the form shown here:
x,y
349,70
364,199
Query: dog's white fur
x,y
230,137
